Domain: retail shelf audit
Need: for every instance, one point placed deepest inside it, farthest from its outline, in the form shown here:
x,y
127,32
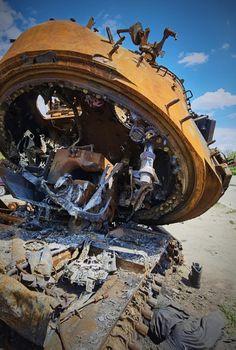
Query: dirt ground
x,y
211,241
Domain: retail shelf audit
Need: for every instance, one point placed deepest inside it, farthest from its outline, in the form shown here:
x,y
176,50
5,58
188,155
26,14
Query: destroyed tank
x,y
97,139
105,133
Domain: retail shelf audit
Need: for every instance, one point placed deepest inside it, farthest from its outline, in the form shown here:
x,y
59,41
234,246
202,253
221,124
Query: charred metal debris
x,y
49,284
81,155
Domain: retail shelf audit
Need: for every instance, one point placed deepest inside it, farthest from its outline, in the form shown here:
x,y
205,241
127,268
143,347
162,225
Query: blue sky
x,y
204,54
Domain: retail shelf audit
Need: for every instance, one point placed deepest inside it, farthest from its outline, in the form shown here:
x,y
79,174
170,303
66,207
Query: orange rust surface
x,y
25,311
64,162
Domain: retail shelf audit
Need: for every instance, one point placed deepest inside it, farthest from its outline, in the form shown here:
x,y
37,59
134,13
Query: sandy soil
x,y
211,241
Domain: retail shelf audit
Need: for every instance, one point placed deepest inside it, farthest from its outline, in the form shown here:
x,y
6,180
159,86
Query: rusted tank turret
x,y
64,87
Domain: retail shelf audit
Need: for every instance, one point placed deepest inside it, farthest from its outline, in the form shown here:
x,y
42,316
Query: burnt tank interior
x,y
48,117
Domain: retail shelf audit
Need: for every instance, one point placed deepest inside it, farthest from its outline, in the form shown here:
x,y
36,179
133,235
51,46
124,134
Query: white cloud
x,y
225,46
181,54
11,23
105,16
231,116
233,55
13,32
104,20
211,114
31,21
113,23
194,58
6,15
225,139
212,100
4,46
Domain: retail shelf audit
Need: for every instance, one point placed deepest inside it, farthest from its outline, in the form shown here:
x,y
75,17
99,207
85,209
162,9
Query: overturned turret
x,y
103,133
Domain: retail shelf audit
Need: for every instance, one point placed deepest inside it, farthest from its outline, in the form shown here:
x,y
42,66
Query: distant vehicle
x,y
2,188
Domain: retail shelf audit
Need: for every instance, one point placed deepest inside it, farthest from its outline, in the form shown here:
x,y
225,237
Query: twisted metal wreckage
x,y
102,138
